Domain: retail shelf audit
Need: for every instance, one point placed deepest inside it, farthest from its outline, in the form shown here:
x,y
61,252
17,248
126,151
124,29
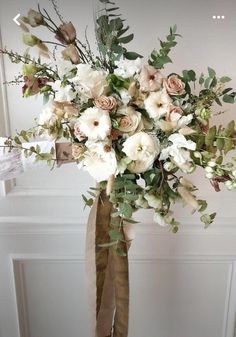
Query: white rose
x,y
90,83
130,121
141,146
127,68
62,93
158,104
140,166
98,161
94,123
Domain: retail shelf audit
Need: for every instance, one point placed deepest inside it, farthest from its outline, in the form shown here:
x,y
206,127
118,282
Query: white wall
x,y
182,285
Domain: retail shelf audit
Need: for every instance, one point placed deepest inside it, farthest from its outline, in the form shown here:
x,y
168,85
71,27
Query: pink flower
x,y
150,79
174,85
66,33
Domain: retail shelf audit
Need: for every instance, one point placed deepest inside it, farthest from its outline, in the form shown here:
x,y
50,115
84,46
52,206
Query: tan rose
x,y
150,79
105,102
174,85
78,134
66,33
71,53
130,121
77,150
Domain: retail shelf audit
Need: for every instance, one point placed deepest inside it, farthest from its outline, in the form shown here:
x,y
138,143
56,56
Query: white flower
x,y
158,104
99,162
153,201
130,120
47,116
125,96
63,66
94,123
62,93
127,68
90,83
142,149
141,146
175,122
178,149
140,166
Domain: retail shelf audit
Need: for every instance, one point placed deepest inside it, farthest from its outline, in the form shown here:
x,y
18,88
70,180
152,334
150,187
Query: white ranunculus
x,y
98,162
158,104
128,68
63,67
90,83
47,116
141,146
62,93
94,123
130,120
153,200
178,149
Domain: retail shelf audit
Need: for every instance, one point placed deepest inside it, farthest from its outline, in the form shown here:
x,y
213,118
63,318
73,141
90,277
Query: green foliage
x,y
159,58
111,36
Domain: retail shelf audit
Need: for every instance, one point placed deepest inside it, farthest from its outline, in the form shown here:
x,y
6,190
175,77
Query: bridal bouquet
x,y
137,130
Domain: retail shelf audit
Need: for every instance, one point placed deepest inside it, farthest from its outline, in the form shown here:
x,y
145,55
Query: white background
x,y
182,285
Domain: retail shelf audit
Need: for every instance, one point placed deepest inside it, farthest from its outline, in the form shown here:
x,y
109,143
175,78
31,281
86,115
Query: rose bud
x,y
66,33
31,40
35,18
71,53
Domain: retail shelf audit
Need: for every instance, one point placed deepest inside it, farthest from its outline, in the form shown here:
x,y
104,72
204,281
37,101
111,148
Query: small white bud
x,y
209,169
209,175
211,164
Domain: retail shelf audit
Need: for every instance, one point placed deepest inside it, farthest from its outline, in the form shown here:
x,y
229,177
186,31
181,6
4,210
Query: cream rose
x,y
130,121
174,85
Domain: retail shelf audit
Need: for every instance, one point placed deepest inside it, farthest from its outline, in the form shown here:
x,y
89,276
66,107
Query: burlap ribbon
x,y
108,275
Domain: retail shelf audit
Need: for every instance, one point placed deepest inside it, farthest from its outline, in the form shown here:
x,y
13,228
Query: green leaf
x,y
203,205
126,39
228,99
225,79
132,55
229,145
211,72
210,137
192,75
108,245
220,143
115,235
126,210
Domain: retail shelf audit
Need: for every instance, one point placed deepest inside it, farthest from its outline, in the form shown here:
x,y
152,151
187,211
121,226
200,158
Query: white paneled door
x,y
182,285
